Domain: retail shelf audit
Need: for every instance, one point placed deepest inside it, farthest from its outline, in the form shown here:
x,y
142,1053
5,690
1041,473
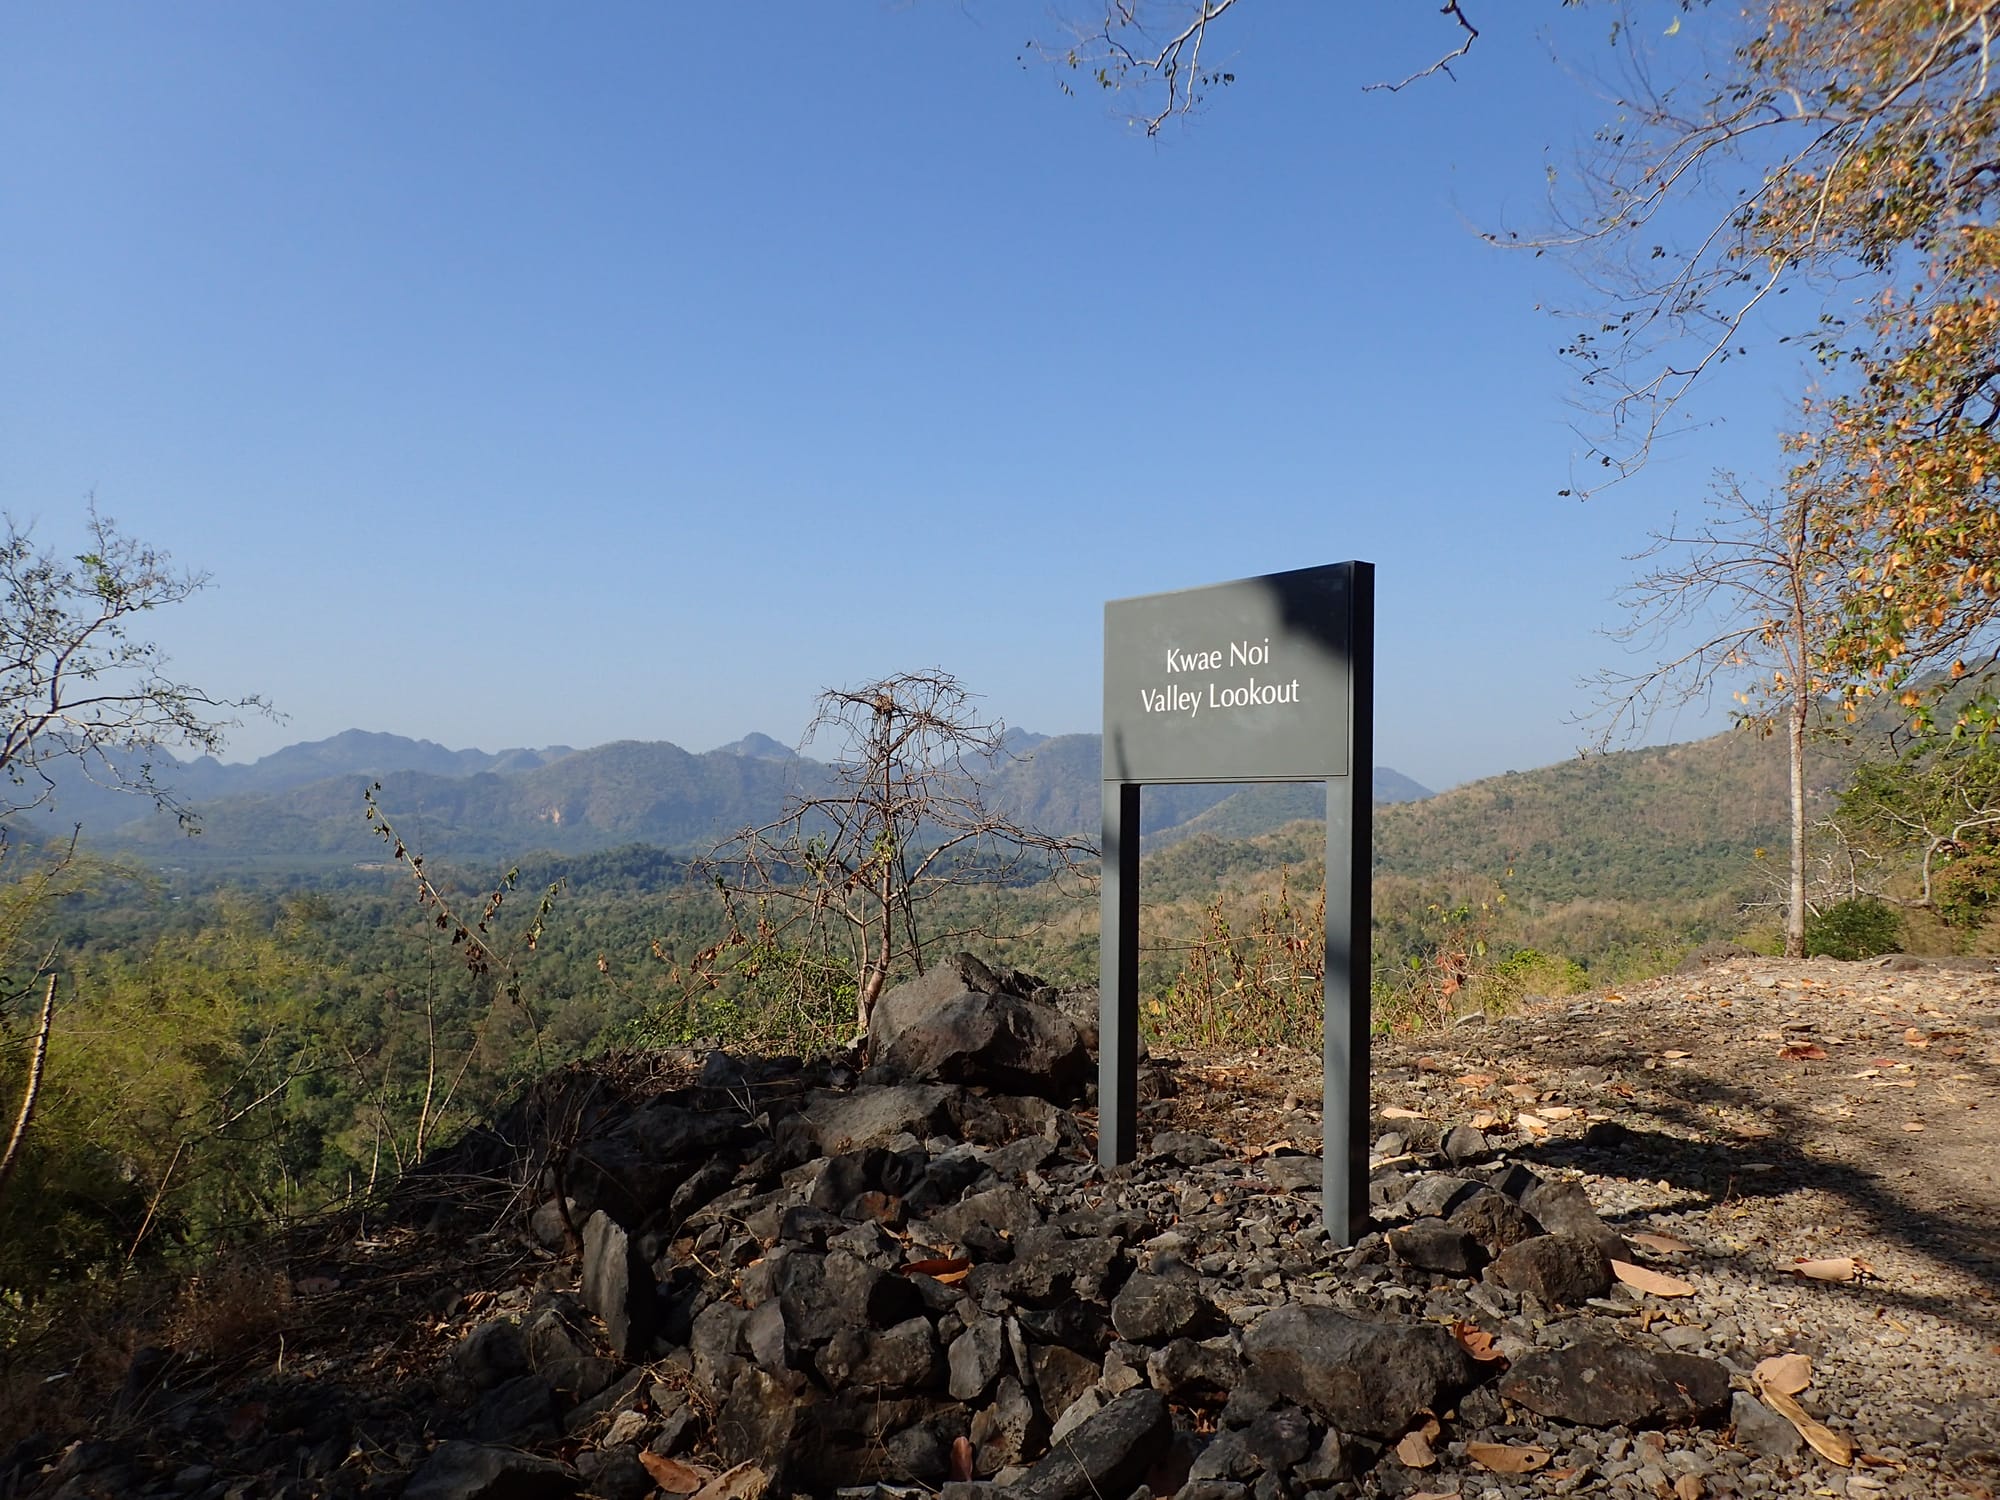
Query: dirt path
x,y
1766,1113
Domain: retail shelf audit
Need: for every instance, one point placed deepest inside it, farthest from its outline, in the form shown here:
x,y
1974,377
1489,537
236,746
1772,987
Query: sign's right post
x,y
1349,918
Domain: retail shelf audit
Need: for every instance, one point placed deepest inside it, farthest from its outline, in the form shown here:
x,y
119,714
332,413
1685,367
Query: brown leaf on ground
x,y
1663,1244
1507,1458
1532,1123
961,1458
1415,1451
1787,1373
1655,1283
1476,1081
1827,1443
1831,1268
936,1268
673,1476
1803,1052
1476,1341
744,1482
1689,1487
1397,1112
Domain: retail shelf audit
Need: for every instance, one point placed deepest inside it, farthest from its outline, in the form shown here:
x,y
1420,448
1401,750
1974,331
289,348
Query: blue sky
x,y
527,374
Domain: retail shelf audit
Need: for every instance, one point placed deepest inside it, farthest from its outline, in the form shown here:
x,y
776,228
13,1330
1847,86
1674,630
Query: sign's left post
x,y
1118,979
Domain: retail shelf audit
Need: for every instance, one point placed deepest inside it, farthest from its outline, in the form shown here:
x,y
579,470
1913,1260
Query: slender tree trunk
x,y
37,1060
877,971
430,1067
1795,908
1798,570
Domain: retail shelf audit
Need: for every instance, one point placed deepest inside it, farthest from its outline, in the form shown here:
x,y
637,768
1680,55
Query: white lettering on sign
x,y
1214,694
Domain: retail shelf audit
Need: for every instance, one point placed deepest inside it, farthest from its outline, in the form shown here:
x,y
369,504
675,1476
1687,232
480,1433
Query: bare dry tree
x,y
1160,54
853,862
1742,600
77,685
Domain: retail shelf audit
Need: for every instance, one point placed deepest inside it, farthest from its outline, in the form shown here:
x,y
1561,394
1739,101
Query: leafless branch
x,y
896,818
1443,64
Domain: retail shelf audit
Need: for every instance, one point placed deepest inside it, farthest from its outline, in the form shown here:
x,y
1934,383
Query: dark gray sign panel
x,y
1244,681
1264,679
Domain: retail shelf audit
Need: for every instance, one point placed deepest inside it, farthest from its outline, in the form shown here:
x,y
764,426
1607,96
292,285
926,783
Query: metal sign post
x,y
1264,679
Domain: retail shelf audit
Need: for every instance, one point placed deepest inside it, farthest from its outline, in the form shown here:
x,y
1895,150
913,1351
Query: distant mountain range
x,y
302,805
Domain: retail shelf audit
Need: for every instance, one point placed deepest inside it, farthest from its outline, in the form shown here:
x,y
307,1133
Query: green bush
x,y
1854,929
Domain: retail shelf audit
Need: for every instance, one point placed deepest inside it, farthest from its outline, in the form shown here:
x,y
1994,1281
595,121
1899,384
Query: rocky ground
x,y
1734,1232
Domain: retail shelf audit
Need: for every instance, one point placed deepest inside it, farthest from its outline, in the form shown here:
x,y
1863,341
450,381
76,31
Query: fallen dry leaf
x,y
1415,1451
935,1268
1485,1120
1675,1054
1827,1443
1506,1458
1664,1244
1831,1268
1787,1374
1476,1081
744,1482
1532,1123
1476,1341
1915,1038
1435,1495
1913,1126
1557,1112
673,1476
1803,1052
1656,1283
1523,1093
1689,1487
1397,1112
961,1458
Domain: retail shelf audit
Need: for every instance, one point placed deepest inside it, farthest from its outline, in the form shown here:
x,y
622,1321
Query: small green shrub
x,y
1528,971
1854,929
1967,889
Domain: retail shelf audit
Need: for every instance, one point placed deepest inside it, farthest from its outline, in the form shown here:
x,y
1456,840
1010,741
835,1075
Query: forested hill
x,y
1670,822
302,806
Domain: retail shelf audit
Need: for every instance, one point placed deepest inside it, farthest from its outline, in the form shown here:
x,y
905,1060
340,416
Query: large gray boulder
x,y
482,1471
618,1286
868,1116
1599,1382
1005,1042
1359,1376
943,981
1108,1454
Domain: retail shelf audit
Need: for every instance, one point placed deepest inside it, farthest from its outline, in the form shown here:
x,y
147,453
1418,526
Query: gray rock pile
x,y
917,1280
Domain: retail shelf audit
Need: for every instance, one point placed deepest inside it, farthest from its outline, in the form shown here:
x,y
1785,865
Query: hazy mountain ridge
x,y
305,801
1639,825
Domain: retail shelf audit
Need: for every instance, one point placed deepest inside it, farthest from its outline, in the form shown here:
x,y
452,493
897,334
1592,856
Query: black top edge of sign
x,y
1249,680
